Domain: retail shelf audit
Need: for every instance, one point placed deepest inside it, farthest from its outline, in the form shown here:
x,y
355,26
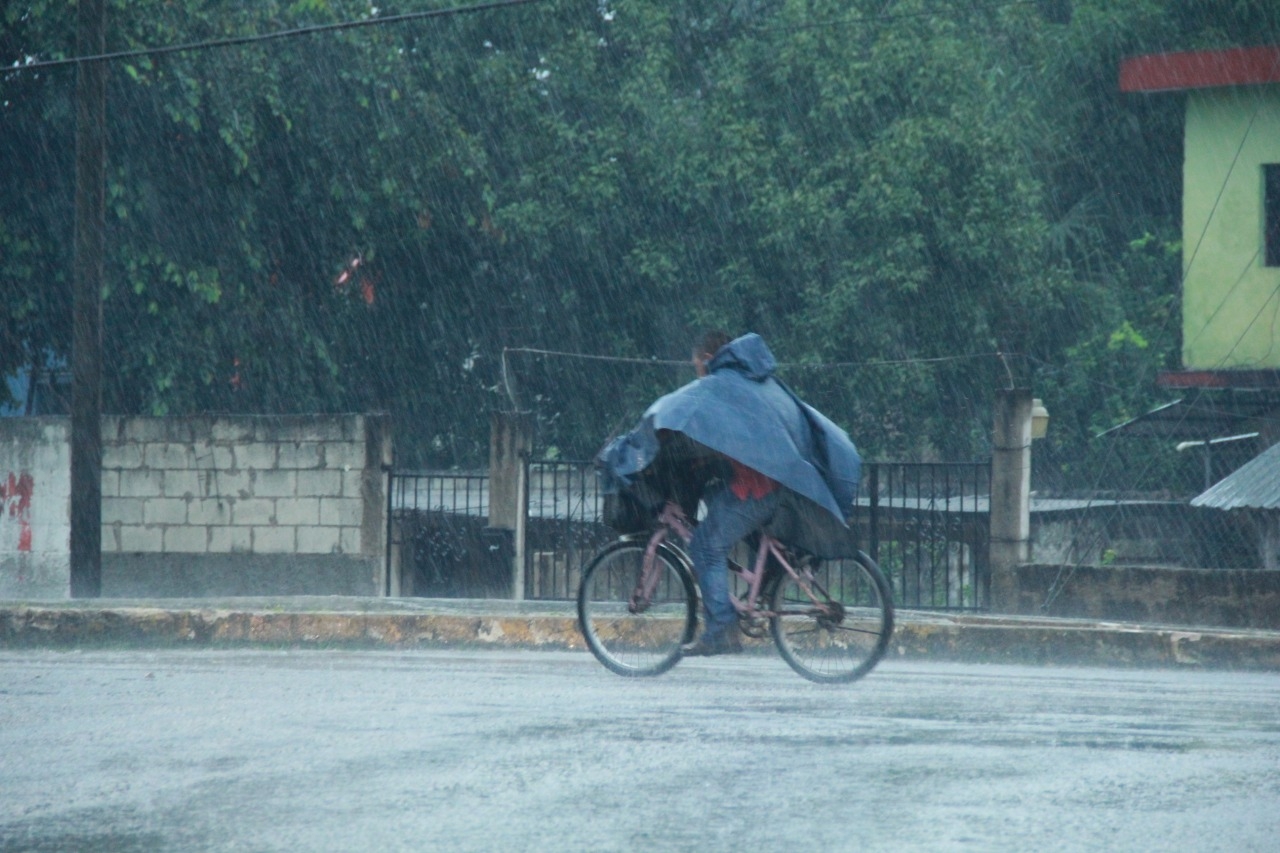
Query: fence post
x,y
1010,534
874,538
510,439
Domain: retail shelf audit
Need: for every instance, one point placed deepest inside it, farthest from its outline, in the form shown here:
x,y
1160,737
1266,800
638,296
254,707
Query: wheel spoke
x,y
629,632
844,636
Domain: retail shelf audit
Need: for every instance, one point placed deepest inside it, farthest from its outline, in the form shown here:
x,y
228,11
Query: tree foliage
x,y
365,219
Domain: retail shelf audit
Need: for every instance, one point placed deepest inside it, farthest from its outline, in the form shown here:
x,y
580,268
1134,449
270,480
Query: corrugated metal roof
x,y
1254,485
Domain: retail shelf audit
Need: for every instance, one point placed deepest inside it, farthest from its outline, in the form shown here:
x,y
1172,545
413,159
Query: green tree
x,y
366,219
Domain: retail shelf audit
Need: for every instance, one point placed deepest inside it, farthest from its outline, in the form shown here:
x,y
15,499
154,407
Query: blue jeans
x,y
728,519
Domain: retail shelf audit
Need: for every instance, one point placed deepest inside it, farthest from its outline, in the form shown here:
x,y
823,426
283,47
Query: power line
x,y
1000,356
280,34
657,362
590,357
438,13
1255,319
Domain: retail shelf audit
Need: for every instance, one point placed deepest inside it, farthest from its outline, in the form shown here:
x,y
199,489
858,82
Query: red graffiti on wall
x,y
15,502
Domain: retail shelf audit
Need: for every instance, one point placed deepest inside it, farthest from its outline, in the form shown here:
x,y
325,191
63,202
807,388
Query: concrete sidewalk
x,y
431,623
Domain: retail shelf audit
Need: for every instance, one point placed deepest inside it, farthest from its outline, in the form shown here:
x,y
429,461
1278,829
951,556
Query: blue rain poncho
x,y
739,410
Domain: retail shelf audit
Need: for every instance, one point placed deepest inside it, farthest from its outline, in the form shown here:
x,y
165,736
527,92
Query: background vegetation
x,y
914,201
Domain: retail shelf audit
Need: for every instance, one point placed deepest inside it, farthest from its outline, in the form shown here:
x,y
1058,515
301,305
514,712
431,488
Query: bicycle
x,y
638,603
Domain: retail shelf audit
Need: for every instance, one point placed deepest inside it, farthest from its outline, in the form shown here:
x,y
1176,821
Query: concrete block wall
x,y
1220,598
242,505
35,508
253,486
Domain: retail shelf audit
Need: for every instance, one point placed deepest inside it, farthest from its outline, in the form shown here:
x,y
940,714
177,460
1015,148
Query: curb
x,y
917,636
1091,644
28,627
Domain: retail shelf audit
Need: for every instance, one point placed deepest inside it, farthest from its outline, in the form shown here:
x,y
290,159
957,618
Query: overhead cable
x,y
259,37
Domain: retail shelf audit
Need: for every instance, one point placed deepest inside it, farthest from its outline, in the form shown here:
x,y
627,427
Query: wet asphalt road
x,y
508,750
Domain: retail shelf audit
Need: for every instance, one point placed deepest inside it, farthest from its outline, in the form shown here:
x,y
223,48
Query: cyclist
x,y
775,451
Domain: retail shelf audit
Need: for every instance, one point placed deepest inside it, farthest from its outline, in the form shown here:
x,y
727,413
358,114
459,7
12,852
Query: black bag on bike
x,y
626,513
679,472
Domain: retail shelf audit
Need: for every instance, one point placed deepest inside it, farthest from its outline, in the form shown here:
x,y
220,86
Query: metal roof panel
x,y
1254,485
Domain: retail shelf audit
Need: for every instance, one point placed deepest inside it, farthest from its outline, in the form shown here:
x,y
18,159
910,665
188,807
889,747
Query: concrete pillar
x,y
375,492
1010,535
510,441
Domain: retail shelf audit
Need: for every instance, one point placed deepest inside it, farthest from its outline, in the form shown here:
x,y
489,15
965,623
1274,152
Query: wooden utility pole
x,y
86,304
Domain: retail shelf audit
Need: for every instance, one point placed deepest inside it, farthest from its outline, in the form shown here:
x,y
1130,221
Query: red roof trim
x,y
1239,379
1162,72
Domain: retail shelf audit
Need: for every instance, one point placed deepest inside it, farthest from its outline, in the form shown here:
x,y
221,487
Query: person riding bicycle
x,y
773,451
735,508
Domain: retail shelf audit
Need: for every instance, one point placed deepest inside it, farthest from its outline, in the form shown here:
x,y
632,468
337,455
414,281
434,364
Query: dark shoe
x,y
726,643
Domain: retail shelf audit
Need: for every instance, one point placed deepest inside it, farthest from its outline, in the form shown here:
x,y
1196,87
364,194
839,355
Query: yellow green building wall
x,y
1231,299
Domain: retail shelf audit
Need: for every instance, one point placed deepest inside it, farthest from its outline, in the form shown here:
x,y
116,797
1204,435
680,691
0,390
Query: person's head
x,y
706,348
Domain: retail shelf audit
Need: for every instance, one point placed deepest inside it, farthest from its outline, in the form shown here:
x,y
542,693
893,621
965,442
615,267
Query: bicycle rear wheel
x,y
834,624
637,637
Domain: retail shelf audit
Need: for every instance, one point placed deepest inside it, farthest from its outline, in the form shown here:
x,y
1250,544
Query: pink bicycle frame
x,y
672,518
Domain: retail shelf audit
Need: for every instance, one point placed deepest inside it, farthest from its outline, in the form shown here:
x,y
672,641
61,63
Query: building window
x,y
1271,213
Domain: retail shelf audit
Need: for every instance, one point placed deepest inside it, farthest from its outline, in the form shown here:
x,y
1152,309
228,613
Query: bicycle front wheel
x,y
833,623
634,620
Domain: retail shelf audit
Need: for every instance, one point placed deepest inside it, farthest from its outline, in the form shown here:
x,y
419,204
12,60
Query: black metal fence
x,y
927,526
564,529
924,523
439,537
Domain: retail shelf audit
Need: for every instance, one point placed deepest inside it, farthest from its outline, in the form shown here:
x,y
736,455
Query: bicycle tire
x,y
637,644
833,649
